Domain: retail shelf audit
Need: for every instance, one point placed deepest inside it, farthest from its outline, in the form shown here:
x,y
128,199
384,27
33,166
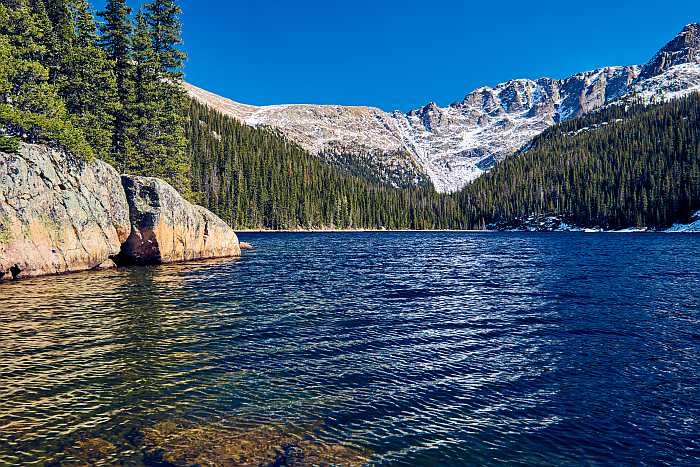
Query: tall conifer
x,y
116,40
173,163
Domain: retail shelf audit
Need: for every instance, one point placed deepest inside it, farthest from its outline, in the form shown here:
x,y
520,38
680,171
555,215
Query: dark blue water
x,y
412,348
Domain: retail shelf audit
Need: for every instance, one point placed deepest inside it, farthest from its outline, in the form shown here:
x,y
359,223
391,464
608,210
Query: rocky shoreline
x,y
61,214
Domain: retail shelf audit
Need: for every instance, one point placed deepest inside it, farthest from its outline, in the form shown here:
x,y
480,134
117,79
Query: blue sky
x,y
401,54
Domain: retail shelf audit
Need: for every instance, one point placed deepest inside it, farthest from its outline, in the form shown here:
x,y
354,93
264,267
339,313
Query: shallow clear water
x,y
416,348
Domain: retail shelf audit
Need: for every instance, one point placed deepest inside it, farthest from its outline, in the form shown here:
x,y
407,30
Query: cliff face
x,y
60,214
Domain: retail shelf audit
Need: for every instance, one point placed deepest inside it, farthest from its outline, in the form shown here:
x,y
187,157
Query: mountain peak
x,y
684,48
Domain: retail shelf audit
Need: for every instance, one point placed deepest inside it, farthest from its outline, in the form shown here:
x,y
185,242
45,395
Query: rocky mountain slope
x,y
454,145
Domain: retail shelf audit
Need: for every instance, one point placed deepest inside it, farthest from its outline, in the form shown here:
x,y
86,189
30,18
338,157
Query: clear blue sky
x,y
401,54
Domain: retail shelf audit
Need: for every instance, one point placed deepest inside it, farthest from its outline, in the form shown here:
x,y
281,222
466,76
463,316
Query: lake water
x,y
413,349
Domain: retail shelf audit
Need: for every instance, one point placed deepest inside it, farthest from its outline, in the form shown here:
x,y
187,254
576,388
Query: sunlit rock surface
x,y
61,214
166,228
58,213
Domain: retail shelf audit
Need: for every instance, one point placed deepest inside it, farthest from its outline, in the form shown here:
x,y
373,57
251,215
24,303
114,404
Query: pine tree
x,y
173,164
30,105
166,34
116,41
146,107
87,81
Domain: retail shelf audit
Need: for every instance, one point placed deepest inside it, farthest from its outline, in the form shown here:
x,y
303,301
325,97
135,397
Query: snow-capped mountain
x,y
454,145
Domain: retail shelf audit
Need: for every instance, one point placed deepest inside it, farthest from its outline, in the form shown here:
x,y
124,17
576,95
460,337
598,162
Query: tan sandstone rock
x,y
58,213
166,228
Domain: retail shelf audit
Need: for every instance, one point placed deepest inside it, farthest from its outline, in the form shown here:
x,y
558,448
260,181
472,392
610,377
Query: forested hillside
x,y
615,168
254,178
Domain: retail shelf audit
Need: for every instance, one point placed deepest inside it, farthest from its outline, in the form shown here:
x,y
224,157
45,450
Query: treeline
x,y
254,178
106,89
623,166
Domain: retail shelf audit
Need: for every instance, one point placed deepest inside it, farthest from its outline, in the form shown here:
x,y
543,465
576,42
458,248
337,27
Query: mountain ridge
x,y
456,144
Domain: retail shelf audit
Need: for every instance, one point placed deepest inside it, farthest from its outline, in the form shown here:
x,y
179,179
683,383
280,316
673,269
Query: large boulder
x,y
58,213
166,228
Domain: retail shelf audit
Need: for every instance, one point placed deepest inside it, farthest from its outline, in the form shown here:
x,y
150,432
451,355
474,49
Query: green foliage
x,y
30,104
619,167
9,144
166,32
160,103
87,81
116,40
113,92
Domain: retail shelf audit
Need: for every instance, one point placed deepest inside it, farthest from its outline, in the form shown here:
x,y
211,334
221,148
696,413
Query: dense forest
x,y
107,85
254,178
626,165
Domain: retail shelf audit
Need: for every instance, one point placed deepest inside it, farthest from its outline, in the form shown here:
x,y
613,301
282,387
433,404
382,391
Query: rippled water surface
x,y
400,349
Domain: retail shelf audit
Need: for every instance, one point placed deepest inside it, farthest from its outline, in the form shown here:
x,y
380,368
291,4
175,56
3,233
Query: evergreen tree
x,y
116,40
87,82
622,166
146,107
254,178
167,155
166,34
30,105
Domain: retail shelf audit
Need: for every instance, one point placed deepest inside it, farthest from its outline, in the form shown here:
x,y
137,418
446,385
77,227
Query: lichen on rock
x,y
58,213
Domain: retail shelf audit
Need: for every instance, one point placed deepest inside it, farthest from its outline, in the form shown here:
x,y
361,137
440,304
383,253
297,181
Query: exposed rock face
x,y
684,48
58,214
458,143
351,137
453,145
165,228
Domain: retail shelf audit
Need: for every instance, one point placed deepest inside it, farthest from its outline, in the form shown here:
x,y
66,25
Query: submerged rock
x,y
58,213
247,246
166,228
108,264
92,450
179,443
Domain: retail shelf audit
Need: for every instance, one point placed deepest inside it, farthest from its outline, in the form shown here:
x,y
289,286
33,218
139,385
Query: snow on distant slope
x,y
331,131
693,226
456,144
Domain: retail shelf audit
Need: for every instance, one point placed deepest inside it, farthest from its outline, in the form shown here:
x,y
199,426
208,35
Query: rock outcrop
x,y
58,213
165,228
61,214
